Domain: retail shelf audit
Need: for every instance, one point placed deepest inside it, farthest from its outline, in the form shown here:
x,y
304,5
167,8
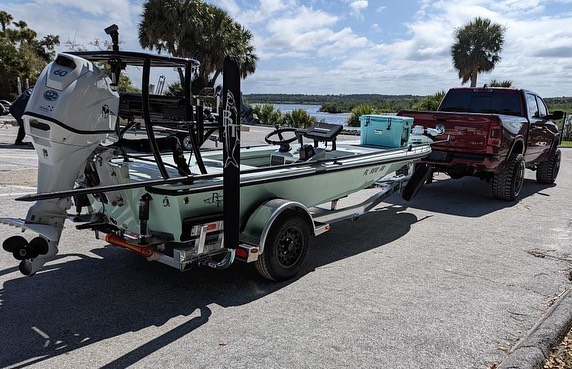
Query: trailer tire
x,y
508,182
285,248
547,171
420,175
187,143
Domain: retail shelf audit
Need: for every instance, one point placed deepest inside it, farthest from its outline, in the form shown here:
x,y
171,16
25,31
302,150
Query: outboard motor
x,y
72,109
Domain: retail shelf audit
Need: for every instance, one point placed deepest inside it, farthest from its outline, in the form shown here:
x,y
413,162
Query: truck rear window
x,y
483,101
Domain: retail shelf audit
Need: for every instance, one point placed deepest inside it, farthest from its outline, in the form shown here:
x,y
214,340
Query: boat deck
x,y
264,158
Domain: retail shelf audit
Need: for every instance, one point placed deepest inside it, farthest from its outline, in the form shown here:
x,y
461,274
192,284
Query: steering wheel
x,y
282,141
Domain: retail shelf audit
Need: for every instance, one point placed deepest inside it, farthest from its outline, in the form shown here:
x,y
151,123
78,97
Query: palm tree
x,y
195,29
5,19
495,83
477,48
298,118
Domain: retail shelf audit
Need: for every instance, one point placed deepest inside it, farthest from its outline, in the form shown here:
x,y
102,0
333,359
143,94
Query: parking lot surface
x,y
453,279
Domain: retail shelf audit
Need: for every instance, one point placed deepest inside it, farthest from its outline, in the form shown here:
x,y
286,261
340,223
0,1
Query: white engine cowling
x,y
72,109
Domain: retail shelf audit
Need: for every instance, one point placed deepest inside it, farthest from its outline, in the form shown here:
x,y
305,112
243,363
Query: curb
x,y
535,348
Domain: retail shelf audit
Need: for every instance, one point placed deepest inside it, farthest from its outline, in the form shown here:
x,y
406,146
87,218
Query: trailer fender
x,y
260,221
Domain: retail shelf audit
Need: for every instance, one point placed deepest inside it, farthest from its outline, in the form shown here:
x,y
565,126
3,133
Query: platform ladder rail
x,y
202,244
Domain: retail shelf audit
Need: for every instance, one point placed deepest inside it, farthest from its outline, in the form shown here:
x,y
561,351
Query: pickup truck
x,y
494,134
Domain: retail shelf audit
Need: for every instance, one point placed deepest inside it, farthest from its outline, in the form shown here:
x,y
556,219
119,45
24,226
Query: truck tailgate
x,y
467,132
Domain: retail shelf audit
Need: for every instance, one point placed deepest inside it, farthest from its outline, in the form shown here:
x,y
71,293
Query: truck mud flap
x,y
417,180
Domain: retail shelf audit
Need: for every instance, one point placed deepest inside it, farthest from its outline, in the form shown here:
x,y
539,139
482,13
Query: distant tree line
x,y
559,103
322,99
386,103
370,104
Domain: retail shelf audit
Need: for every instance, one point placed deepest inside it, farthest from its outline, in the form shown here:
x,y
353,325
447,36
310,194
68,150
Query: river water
x,y
341,118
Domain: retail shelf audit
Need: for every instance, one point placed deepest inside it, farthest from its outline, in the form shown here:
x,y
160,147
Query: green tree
x,y
125,83
195,29
22,54
298,118
358,111
476,49
268,114
174,89
5,19
505,83
430,102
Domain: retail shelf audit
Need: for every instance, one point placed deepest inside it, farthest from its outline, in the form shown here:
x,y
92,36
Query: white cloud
x,y
99,7
357,6
317,46
303,30
80,22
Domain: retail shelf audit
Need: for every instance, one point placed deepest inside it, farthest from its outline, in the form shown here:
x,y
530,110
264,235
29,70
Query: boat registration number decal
x,y
373,170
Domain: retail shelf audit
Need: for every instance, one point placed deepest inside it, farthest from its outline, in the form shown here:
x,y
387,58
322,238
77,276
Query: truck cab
x,y
494,133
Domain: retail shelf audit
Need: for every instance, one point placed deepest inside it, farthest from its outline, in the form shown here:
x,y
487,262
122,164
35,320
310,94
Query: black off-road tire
x,y
285,248
508,182
420,175
547,171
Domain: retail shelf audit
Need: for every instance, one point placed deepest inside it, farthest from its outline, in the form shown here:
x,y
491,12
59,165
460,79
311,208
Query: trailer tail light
x,y
246,253
196,230
241,253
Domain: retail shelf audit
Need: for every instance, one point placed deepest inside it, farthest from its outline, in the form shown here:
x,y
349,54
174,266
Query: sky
x,y
391,47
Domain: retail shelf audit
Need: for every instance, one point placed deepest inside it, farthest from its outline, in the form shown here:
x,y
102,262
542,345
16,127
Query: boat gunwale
x,y
416,152
282,175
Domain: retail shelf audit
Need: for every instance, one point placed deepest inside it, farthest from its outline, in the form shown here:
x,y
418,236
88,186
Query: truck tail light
x,y
495,132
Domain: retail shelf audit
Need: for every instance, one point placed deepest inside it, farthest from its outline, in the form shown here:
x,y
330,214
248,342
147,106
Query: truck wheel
x,y
418,178
285,248
548,170
508,182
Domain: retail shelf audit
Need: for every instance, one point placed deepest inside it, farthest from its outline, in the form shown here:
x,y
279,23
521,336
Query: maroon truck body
x,y
493,133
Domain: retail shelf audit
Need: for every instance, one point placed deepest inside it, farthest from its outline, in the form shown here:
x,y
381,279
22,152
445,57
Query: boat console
x,y
318,132
321,132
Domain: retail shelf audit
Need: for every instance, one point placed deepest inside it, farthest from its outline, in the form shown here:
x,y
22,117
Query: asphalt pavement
x,y
453,279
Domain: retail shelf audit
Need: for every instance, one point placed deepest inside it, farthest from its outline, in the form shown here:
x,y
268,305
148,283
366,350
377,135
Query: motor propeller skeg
x,y
13,242
21,249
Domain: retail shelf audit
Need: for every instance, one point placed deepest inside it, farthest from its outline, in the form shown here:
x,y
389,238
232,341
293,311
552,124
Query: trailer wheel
x,y
420,175
547,171
508,182
285,248
187,143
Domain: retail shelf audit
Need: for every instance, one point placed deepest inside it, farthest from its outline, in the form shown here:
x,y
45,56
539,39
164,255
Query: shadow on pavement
x,y
467,196
79,300
27,146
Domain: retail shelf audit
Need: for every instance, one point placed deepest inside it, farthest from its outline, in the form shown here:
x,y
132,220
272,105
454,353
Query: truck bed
x,y
467,132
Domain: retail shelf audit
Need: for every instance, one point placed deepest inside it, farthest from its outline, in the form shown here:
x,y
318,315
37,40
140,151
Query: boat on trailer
x,y
203,206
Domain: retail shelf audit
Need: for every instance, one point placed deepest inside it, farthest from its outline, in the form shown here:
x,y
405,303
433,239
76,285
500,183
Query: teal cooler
x,y
385,130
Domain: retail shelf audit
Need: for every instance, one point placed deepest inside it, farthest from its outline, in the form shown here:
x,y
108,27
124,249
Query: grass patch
x,y
566,144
